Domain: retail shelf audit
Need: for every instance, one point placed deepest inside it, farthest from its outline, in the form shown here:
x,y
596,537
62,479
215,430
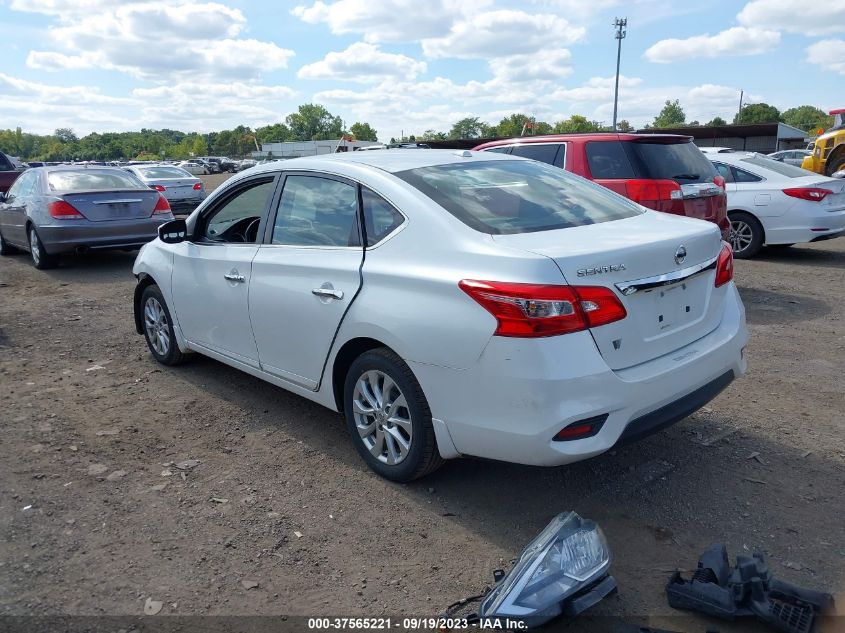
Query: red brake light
x,y
62,210
157,187
652,190
162,206
725,265
720,182
534,310
814,194
197,186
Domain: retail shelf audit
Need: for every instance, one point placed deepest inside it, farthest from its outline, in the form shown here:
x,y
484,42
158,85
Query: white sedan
x,y
450,303
195,169
775,204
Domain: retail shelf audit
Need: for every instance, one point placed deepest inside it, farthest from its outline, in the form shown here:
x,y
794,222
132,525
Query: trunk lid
x,y
177,188
613,254
103,206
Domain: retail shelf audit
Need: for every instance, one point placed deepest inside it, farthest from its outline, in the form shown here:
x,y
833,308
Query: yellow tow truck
x,y
829,150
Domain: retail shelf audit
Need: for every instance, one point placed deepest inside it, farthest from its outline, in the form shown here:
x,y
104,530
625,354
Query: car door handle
x,y
328,292
234,276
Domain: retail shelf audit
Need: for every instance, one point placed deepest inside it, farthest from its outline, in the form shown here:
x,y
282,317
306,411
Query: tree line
x,y
314,122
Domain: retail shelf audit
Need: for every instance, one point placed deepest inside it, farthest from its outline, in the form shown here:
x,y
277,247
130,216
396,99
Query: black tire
x,y
835,165
158,327
6,248
41,259
746,236
422,456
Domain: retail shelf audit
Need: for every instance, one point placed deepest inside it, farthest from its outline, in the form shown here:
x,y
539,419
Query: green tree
x,y
808,118
757,113
363,132
469,127
198,146
278,132
717,121
65,135
433,135
672,115
624,126
576,123
693,124
312,122
512,125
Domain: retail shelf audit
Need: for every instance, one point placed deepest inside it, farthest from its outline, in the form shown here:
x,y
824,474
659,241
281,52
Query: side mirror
x,y
173,232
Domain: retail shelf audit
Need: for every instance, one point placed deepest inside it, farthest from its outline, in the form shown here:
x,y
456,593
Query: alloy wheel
x,y
155,323
34,248
382,417
741,235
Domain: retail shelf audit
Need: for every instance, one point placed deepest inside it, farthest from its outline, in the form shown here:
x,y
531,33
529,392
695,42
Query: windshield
x,y
784,169
164,172
517,196
92,180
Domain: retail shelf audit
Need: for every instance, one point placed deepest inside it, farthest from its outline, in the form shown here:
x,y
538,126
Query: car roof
x,y
389,160
584,137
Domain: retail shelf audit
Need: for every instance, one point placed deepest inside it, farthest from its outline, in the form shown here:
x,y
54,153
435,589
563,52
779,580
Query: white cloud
x,y
138,39
735,41
829,54
389,20
502,33
544,65
363,62
596,89
805,18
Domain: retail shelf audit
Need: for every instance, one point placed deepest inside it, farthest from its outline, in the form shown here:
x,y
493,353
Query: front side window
x,y
237,220
500,150
380,218
544,152
317,211
517,196
92,180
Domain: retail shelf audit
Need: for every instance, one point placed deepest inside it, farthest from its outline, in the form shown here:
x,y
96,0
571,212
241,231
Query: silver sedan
x,y
183,191
53,210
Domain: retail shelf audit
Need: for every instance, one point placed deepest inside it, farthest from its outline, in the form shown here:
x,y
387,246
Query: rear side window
x,y
500,150
724,171
608,160
517,196
380,218
740,175
544,152
92,180
316,211
681,162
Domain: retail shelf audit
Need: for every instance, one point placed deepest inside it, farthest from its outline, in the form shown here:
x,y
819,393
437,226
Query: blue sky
x,y
406,65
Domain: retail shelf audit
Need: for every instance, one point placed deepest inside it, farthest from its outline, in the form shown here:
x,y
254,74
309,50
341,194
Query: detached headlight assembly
x,y
562,571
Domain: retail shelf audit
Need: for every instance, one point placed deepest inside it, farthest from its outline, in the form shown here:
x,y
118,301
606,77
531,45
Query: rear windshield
x,y
164,172
517,196
681,162
92,180
784,169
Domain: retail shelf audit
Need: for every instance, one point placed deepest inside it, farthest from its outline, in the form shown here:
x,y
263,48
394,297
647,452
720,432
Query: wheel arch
x,y
836,153
753,215
144,281
343,360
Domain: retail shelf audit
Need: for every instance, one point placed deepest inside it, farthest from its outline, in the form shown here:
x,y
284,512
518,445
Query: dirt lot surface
x,y
95,518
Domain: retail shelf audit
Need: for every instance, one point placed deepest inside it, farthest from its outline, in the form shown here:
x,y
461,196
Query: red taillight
x,y
62,210
534,310
157,187
724,266
720,182
814,194
197,186
162,206
653,190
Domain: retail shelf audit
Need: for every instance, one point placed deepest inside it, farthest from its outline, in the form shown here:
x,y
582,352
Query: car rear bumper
x,y
799,228
74,235
512,403
184,204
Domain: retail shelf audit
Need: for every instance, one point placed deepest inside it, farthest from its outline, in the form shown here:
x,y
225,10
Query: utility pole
x,y
620,24
739,114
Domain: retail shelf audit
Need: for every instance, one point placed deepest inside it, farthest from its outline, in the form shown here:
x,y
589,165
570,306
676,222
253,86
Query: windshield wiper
x,y
686,176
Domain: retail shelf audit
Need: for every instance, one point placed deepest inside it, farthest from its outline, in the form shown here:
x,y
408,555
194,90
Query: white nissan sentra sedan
x,y
450,303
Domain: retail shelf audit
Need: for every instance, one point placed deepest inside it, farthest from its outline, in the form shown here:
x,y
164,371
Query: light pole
x,y
620,24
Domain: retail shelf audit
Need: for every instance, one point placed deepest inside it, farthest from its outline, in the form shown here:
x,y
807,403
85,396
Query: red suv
x,y
664,172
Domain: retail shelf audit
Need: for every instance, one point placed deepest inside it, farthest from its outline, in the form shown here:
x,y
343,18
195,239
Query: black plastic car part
x,y
746,590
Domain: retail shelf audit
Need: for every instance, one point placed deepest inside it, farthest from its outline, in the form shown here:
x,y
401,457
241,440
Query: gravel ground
x,y
95,518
